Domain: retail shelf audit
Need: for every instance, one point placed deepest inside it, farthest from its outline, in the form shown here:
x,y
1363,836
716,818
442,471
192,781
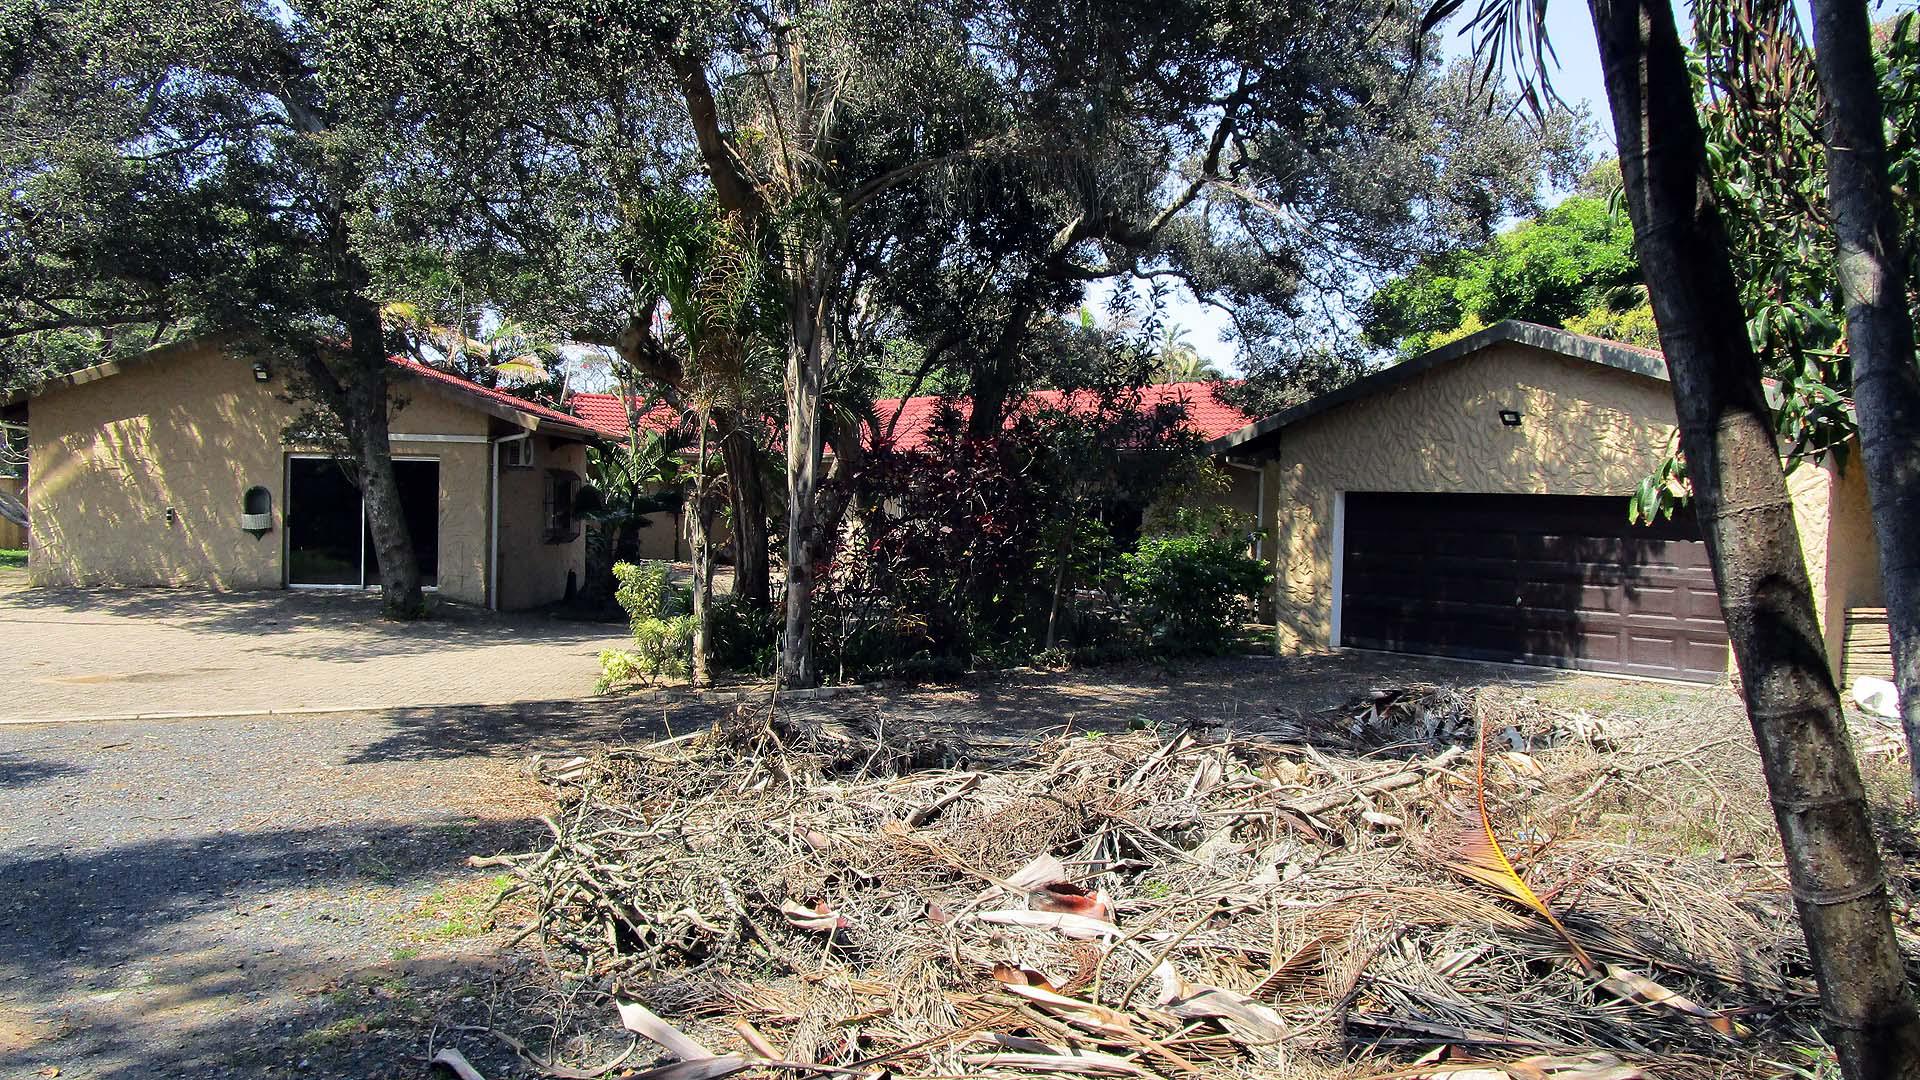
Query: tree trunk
x,y
1872,268
1741,498
702,545
805,363
993,377
747,491
364,401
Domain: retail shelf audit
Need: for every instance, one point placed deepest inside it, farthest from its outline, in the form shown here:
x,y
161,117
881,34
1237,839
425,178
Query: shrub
x,y
1190,591
662,628
968,550
744,638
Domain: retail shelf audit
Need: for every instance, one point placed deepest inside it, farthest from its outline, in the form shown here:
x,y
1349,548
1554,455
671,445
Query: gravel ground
x,y
215,897
288,896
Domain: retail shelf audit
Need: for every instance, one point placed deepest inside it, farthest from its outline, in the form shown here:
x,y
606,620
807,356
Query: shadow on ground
x,y
123,936
18,770
104,907
356,629
1247,693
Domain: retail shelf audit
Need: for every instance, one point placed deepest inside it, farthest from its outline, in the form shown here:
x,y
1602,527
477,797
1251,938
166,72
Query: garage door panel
x,y
1702,604
1662,601
1546,579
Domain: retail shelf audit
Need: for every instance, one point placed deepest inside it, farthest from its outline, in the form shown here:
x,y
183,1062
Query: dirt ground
x,y
288,896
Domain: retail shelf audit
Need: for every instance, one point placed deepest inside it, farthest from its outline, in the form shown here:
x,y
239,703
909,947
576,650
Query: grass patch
x,y
13,559
458,912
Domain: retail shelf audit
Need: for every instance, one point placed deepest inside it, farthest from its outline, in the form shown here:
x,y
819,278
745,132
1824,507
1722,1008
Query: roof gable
x,y
1613,354
497,402
527,414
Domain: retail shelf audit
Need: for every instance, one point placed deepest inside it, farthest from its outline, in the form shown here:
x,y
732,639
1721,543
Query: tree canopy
x,y
1571,266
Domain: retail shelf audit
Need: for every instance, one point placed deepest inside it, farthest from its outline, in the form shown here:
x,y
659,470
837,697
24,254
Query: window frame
x,y
558,524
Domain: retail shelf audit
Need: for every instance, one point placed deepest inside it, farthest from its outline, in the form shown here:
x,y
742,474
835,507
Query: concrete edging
x,y
664,696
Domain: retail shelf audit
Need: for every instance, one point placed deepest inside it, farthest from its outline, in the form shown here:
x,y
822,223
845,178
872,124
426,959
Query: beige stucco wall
x,y
193,432
463,483
532,570
1587,429
1854,554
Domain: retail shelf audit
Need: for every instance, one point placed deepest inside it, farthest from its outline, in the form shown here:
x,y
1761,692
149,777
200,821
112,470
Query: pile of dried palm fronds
x,y
1336,898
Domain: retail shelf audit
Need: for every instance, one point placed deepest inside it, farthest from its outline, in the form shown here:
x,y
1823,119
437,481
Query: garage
x,y
1471,502
1555,580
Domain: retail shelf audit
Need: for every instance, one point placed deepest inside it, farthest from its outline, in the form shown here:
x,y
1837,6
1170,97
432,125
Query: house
x,y
1472,502
905,423
665,534
172,468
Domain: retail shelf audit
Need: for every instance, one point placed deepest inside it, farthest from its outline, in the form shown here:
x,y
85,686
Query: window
x,y
561,488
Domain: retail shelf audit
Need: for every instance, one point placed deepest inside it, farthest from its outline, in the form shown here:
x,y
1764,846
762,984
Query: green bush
x,y
744,638
662,628
1190,591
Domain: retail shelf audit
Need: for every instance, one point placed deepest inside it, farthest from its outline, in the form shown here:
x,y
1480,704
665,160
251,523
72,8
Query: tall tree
x,y
709,275
208,170
1872,267
569,126
1572,266
1741,497
1304,153
805,116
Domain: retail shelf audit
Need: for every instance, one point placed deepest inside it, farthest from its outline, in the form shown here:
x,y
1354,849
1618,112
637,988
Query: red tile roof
x,y
1207,416
499,397
604,412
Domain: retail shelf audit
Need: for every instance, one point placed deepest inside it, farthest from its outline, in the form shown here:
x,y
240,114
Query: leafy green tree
x,y
220,167
1574,263
709,275
1270,213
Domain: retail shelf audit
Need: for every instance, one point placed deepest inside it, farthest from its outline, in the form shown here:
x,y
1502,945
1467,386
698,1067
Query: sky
x,y
1576,78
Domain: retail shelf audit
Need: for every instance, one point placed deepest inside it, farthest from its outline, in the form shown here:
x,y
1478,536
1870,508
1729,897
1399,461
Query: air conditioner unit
x,y
517,454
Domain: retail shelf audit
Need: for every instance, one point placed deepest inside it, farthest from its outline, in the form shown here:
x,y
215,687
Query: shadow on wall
x,y
103,490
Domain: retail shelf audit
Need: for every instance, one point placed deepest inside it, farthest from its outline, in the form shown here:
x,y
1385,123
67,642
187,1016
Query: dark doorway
x,y
420,501
1556,580
328,543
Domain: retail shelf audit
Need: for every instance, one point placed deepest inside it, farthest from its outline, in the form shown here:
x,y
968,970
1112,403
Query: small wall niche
x,y
256,510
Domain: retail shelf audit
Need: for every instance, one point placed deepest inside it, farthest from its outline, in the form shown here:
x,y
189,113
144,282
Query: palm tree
x,y
509,350
1176,360
1740,494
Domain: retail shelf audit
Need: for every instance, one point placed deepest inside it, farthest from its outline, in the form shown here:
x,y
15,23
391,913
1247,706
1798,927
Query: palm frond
x,y
1477,855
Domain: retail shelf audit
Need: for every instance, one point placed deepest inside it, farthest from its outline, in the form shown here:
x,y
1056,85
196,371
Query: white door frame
x,y
1339,568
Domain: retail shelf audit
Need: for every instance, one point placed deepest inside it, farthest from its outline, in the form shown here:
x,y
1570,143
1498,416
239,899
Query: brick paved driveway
x,y
70,653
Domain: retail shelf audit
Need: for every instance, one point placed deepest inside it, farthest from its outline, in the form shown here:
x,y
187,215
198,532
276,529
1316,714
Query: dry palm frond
x,y
1478,855
785,877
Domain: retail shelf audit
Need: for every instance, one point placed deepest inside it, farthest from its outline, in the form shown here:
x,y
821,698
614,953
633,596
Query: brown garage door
x,y
1560,580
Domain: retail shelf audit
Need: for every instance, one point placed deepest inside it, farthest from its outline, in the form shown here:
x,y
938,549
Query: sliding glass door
x,y
328,543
